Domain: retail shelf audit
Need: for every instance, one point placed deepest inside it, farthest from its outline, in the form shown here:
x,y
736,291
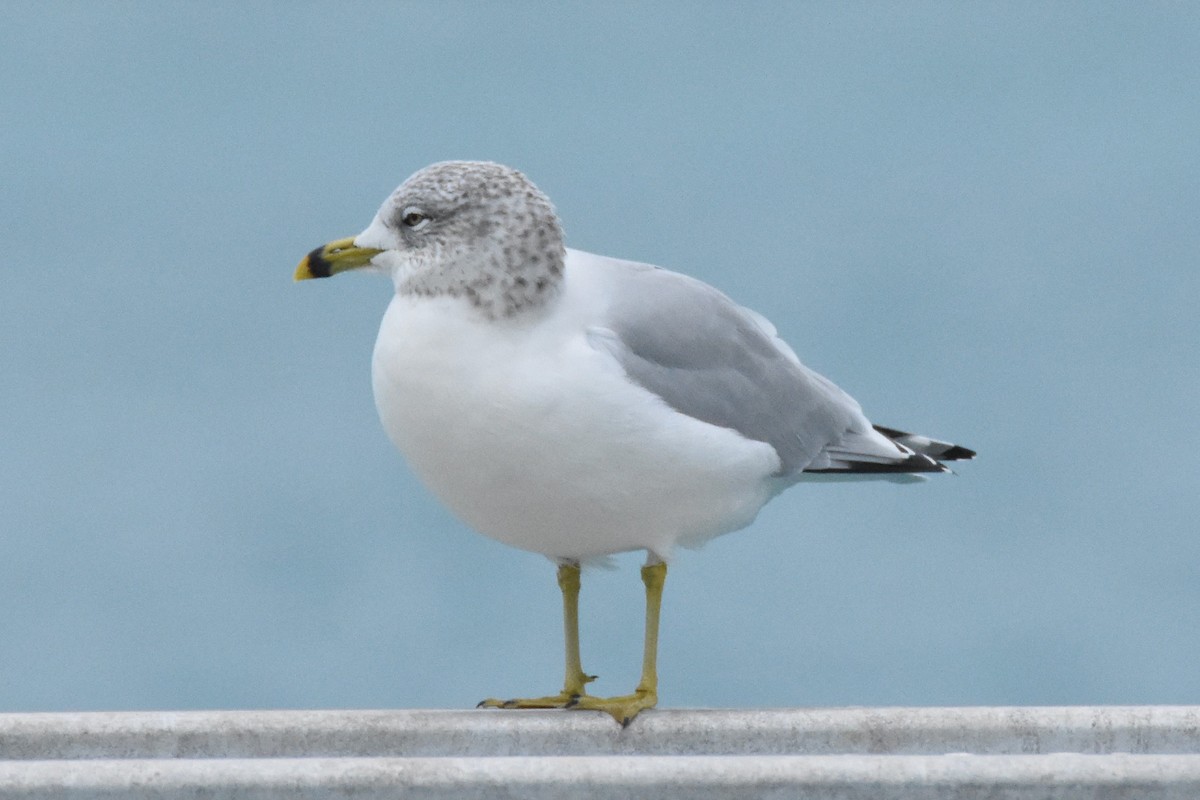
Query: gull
x,y
579,406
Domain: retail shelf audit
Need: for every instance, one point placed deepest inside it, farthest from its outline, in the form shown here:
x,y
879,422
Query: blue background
x,y
981,220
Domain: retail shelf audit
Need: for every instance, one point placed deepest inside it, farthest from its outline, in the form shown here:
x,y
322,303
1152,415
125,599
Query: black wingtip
x,y
957,453
942,451
914,463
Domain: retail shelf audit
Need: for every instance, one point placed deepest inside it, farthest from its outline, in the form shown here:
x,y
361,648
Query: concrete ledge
x,y
1074,752
1064,776
484,733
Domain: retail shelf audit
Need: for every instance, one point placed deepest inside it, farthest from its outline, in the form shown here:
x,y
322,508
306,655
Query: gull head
x,y
472,230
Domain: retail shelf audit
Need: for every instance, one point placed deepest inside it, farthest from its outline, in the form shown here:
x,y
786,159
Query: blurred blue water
x,y
979,220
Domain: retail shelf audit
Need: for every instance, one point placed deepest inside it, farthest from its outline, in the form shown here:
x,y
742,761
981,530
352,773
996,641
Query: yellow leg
x,y
625,707
575,679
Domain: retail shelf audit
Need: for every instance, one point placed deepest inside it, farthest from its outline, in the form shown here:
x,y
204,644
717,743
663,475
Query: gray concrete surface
x,y
482,733
1076,752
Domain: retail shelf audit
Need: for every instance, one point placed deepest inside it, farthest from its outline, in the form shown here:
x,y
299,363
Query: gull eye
x,y
414,218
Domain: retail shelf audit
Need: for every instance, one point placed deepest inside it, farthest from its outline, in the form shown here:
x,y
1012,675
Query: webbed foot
x,y
560,700
622,708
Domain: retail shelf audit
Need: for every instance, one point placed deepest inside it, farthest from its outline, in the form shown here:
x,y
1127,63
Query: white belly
x,y
542,443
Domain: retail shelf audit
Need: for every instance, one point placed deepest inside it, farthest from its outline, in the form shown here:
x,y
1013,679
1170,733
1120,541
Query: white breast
x,y
535,438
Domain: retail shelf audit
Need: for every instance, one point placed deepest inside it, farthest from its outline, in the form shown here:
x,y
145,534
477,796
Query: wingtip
x,y
934,448
957,453
915,463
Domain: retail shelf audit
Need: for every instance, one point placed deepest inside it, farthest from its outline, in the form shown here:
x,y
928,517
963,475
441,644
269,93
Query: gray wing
x,y
707,357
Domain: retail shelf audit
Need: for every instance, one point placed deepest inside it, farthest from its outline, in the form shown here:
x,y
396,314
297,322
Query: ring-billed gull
x,y
578,406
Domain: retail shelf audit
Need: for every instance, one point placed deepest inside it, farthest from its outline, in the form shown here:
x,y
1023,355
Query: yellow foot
x,y
623,708
560,700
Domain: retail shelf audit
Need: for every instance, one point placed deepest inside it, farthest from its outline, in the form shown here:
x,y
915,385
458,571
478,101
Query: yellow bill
x,y
332,258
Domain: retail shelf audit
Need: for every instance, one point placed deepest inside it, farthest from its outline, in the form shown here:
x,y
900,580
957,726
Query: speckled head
x,y
472,230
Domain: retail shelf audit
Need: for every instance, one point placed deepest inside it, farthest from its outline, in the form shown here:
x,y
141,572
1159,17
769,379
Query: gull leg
x,y
575,679
625,707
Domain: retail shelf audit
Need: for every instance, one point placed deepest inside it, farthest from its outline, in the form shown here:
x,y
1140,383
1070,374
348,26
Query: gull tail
x,y
886,453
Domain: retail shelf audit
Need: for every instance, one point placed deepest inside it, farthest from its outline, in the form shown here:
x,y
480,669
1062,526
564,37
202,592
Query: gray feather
x,y
707,357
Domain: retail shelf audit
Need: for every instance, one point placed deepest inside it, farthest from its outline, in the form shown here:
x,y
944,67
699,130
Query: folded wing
x,y
713,360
